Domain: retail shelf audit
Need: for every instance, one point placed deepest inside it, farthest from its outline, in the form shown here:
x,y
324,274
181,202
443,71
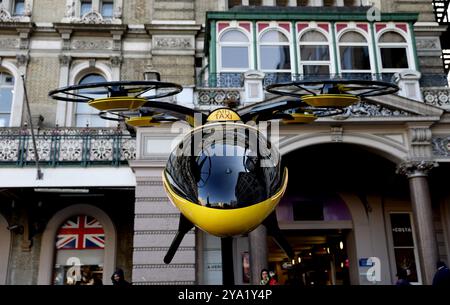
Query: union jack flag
x,y
81,232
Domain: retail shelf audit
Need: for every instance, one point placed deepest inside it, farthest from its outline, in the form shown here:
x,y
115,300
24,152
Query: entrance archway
x,y
335,194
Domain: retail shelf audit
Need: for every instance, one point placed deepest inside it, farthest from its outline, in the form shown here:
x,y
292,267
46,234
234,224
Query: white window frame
x,y
221,44
288,43
10,5
366,36
301,43
77,72
395,45
11,87
391,243
73,9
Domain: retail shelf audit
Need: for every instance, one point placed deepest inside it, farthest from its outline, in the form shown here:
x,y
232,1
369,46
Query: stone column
x,y
417,173
258,253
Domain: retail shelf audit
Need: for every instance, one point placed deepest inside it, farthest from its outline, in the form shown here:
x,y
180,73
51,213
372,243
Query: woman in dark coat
x,y
118,278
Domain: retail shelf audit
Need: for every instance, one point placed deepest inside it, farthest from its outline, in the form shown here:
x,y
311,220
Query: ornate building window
x,y
234,51
85,7
80,244
93,11
16,10
84,114
354,53
393,49
314,53
274,52
6,98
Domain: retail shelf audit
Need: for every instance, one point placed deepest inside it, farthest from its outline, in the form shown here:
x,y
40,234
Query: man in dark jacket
x,y
118,278
442,276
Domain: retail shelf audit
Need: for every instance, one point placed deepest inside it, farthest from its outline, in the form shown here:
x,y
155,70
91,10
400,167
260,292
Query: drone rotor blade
x,y
184,226
273,230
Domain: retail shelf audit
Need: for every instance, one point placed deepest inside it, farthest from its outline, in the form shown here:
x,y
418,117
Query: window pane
x,y
394,58
275,58
234,57
315,53
107,9
232,3
4,120
5,100
355,58
349,2
302,2
86,7
233,36
316,70
313,36
401,230
19,8
274,36
93,120
282,2
255,2
352,37
392,37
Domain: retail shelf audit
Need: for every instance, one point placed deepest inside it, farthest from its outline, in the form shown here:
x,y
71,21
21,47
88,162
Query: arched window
x,y
354,53
85,114
80,244
274,52
314,53
6,98
234,49
393,51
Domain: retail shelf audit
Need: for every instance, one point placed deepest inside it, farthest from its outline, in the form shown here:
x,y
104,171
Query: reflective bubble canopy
x,y
224,166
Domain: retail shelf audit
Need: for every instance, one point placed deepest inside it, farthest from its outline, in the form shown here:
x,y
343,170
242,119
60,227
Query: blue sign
x,y
365,262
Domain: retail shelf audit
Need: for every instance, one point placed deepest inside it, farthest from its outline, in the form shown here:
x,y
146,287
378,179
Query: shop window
x,y
354,53
86,115
80,244
393,51
6,98
404,245
314,53
274,50
234,49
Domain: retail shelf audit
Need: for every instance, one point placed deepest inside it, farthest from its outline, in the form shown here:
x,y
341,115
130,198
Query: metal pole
x,y
40,174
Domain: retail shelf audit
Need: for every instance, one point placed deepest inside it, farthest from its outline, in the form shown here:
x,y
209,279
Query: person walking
x,y
118,278
442,276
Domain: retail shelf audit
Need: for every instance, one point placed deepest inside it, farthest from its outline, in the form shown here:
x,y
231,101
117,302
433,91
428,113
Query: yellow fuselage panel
x,y
226,222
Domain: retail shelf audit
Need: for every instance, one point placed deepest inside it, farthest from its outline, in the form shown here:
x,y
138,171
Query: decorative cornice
x,y
91,44
152,199
413,169
160,232
65,60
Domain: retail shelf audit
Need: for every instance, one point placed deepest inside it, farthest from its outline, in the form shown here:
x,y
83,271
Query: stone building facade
x,y
95,168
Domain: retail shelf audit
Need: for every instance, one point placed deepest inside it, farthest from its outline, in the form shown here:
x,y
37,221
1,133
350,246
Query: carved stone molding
x,y
22,59
173,43
337,134
441,146
365,109
116,61
91,44
428,43
420,136
438,96
9,43
416,168
65,60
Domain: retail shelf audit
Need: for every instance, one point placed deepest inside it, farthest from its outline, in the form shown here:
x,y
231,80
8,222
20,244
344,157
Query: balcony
x,y
66,147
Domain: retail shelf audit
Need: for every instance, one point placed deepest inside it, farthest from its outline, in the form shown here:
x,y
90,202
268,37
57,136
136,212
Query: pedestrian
x,y
118,278
265,277
402,276
273,278
442,276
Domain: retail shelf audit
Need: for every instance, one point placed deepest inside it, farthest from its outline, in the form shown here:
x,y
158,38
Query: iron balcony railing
x,y
59,147
236,80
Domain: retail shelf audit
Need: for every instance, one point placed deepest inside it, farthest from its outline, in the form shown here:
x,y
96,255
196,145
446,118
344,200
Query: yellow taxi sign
x,y
223,114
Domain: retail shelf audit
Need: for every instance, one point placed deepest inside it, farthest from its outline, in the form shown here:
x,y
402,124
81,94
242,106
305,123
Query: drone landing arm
x,y
273,230
265,109
184,226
